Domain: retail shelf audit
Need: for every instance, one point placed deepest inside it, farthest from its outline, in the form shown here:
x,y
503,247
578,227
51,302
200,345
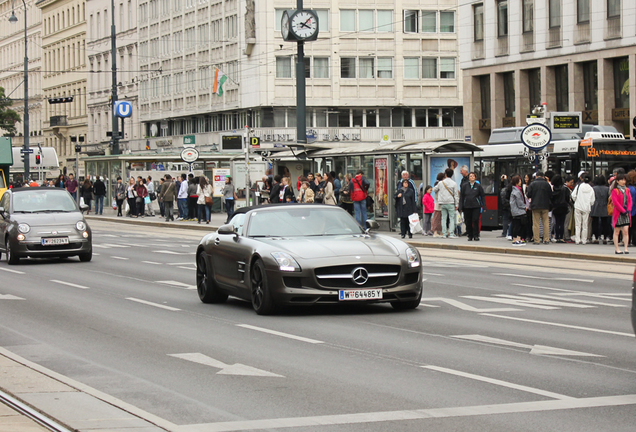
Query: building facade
x,y
99,81
378,67
12,65
64,74
573,55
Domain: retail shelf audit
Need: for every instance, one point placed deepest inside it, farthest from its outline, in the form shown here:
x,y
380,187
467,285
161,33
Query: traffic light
x,y
58,100
38,159
24,157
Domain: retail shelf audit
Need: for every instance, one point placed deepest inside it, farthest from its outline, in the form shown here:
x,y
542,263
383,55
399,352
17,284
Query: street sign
x,y
566,122
122,109
26,151
536,136
189,139
189,155
256,142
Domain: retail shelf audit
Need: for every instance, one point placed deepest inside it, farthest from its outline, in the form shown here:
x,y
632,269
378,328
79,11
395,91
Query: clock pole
x,y
301,98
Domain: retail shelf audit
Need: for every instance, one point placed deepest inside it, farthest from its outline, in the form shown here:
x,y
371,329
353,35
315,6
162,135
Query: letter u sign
x,y
123,109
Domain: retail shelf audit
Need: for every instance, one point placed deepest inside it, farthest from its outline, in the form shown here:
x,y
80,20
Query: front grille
x,y
379,275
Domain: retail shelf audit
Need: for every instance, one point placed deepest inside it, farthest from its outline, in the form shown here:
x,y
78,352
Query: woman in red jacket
x,y
140,200
428,206
622,201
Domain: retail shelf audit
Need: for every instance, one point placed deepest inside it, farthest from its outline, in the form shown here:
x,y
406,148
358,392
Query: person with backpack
x,y
560,206
359,187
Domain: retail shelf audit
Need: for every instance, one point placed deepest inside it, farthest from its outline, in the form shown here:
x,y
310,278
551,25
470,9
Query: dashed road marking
x,y
69,284
277,333
545,278
120,258
152,304
177,284
11,270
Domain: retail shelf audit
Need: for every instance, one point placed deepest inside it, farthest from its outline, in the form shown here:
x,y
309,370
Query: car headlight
x,y
286,262
24,228
413,257
80,226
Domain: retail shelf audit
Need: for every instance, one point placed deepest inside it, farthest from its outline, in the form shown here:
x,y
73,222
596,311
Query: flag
x,y
219,79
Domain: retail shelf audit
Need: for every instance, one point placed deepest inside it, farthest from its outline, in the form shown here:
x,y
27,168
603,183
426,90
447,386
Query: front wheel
x,y
86,257
11,258
206,287
261,296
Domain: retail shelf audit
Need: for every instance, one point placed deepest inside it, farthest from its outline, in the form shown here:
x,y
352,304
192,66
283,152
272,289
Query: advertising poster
x,y
440,163
381,204
219,180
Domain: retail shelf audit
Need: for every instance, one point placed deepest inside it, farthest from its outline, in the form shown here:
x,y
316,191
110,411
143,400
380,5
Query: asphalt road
x,y
500,343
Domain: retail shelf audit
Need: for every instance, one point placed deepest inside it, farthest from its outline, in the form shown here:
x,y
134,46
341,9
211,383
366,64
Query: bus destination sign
x,y
566,122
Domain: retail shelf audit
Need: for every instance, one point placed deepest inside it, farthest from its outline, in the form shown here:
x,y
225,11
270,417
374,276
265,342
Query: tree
x,y
8,117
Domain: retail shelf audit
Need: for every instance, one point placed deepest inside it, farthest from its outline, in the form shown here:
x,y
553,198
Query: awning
x,y
440,146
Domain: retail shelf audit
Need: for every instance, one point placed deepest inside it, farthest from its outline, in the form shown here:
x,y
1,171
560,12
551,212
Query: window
x,y
385,67
561,84
534,88
509,94
283,67
323,19
447,22
429,21
190,80
484,87
166,85
613,8
365,21
410,21
528,16
178,41
347,20
429,68
321,67
447,68
502,18
555,13
348,67
385,20
590,85
411,68
478,22
178,82
583,11
278,18
366,68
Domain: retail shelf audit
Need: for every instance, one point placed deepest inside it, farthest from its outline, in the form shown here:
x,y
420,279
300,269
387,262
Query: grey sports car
x,y
303,254
41,223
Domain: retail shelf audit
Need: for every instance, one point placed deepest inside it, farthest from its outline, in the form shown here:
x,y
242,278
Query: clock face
x,y
284,25
304,24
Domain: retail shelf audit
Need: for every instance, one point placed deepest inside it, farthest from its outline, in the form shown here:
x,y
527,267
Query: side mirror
x,y
83,207
372,225
226,229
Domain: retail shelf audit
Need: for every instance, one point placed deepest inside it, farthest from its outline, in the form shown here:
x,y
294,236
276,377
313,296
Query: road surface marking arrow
x,y
235,369
464,306
534,349
9,297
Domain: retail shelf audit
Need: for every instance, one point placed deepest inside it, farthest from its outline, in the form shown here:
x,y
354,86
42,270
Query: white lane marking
x,y
277,333
69,284
421,414
545,288
519,303
98,246
178,284
180,264
433,274
498,382
11,270
151,262
630,335
428,305
95,254
152,304
561,302
566,292
187,268
10,297
119,258
111,245
168,252
226,369
576,301
464,306
544,278
534,349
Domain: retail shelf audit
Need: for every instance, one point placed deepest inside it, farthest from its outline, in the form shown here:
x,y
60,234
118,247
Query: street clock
x,y
299,25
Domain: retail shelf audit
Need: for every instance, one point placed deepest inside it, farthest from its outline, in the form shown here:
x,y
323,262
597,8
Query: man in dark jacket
x,y
99,189
274,195
540,194
504,200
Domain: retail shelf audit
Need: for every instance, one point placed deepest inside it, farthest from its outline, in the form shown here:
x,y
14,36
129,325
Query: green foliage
x,y
8,117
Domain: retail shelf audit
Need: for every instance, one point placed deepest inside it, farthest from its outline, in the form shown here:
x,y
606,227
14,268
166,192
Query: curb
x,y
527,251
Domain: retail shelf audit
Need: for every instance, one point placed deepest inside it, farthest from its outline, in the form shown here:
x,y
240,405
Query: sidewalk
x,y
489,243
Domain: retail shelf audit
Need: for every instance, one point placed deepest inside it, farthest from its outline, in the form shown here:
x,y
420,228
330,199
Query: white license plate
x,y
368,294
54,241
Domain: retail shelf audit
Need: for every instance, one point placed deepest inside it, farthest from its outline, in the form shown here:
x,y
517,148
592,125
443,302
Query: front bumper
x,y
32,247
295,288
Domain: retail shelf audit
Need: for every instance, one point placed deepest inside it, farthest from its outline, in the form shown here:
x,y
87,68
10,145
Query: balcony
x,y
57,121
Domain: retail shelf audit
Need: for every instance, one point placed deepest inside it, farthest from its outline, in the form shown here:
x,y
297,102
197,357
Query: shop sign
x,y
189,139
219,175
508,122
620,114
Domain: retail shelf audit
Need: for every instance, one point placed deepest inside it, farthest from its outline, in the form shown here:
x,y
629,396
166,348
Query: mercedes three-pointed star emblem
x,y
360,275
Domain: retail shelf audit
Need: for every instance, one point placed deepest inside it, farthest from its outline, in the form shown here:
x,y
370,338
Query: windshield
x,y
297,221
36,201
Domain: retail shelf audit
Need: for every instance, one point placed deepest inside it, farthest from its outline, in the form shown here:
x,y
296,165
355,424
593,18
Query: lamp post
x,y
25,120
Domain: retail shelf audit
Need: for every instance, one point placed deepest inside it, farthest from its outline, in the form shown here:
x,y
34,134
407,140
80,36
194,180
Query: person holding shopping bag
x,y
405,206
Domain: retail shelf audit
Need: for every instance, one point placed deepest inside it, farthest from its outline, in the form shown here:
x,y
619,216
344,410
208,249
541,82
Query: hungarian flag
x,y
219,80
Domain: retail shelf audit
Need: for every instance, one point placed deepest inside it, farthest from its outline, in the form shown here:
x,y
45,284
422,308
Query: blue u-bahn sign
x,y
123,109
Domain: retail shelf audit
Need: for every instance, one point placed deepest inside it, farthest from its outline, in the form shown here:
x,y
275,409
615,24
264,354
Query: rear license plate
x,y
54,241
368,294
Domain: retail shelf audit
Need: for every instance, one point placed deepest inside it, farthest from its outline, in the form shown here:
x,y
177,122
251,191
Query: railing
x,y
554,37
502,46
527,41
56,121
582,33
613,29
